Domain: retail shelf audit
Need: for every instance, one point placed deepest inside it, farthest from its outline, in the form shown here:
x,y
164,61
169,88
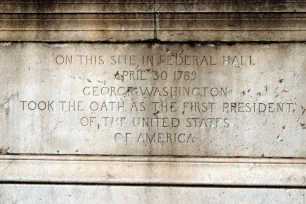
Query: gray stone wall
x,y
152,101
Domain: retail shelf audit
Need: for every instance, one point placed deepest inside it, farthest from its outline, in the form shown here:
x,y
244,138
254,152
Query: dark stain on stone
x,y
4,150
278,138
130,89
157,112
118,76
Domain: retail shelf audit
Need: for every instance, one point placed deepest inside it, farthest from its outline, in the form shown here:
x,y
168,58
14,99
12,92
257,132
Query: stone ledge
x,y
151,6
70,27
231,27
79,194
153,170
125,27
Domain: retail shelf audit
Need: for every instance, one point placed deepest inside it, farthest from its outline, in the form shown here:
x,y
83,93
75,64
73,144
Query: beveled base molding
x,y
148,170
149,21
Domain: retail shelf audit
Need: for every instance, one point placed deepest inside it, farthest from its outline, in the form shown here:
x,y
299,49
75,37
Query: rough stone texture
x,y
216,106
150,170
120,21
124,6
28,72
78,6
230,27
71,27
139,195
230,6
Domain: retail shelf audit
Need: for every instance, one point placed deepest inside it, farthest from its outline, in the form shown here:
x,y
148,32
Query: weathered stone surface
x,y
230,6
71,27
230,27
139,195
148,170
195,100
78,6
245,100
124,6
121,21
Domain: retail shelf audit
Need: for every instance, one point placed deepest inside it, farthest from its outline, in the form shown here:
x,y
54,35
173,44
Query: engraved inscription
x,y
138,99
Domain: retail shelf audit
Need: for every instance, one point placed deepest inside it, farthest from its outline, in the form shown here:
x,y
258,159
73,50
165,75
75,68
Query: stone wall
x,y
152,101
